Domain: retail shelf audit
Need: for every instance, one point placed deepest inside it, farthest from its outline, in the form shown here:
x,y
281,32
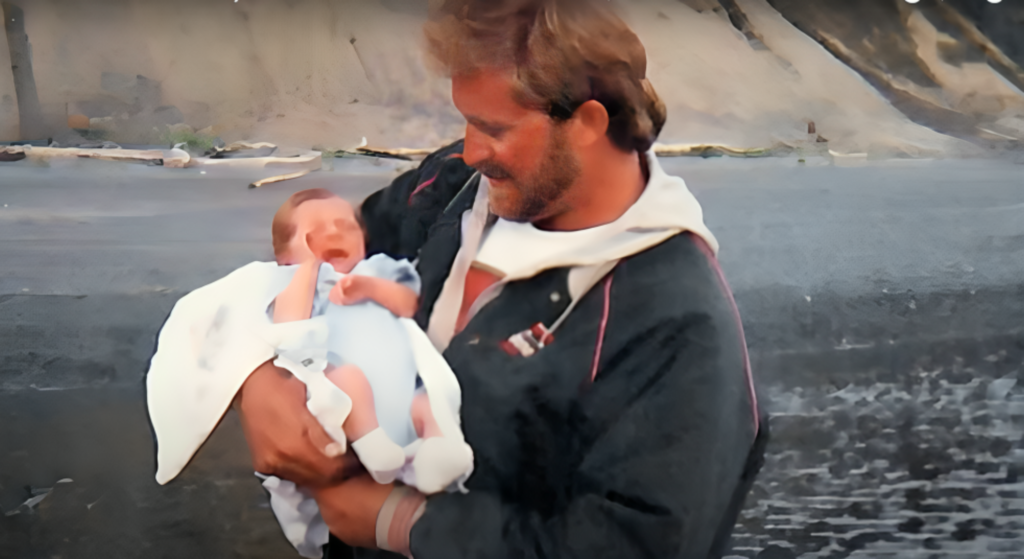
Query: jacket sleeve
x,y
398,216
659,476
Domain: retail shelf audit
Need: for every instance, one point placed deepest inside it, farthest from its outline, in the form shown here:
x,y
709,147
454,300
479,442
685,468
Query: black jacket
x,y
650,458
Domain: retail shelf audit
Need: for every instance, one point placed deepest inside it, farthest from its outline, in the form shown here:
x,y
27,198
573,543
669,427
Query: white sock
x,y
439,462
380,455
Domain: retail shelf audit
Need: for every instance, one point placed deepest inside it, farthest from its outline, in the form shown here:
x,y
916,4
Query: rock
x,y
100,106
8,156
999,388
102,123
198,114
180,128
78,121
168,115
140,92
776,552
176,158
911,525
67,138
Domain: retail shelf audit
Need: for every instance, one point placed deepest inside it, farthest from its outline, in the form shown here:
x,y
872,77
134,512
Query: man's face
x,y
328,230
525,153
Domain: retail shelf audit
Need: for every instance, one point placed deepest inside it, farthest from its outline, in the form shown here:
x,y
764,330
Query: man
x,y
574,291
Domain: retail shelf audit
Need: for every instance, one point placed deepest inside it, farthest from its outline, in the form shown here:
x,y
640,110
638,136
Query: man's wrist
x,y
403,507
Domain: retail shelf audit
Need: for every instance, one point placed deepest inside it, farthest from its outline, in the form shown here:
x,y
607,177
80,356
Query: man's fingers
x,y
330,460
318,437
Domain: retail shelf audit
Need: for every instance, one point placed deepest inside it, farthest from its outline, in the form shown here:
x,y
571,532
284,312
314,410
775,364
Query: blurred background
x,y
870,213
884,77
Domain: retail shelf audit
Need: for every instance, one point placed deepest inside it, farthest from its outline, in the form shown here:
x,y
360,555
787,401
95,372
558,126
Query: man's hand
x,y
350,509
285,440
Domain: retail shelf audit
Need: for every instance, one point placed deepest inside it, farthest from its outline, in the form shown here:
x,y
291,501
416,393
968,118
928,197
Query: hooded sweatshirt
x,y
631,431
517,251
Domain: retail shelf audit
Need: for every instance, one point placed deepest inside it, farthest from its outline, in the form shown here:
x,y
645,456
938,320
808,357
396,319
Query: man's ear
x,y
590,123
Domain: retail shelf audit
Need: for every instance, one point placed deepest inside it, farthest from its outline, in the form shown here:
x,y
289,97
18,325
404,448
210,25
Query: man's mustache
x,y
492,170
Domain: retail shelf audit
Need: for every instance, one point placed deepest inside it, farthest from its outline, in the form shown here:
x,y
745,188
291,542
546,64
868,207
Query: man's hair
x,y
562,54
283,229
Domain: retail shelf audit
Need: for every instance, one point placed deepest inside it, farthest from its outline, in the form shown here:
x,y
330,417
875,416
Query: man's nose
x,y
476,148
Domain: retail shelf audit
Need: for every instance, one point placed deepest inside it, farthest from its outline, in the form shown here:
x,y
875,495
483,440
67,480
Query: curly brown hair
x,y
562,54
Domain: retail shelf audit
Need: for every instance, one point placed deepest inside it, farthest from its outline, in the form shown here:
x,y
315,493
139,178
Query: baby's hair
x,y
283,229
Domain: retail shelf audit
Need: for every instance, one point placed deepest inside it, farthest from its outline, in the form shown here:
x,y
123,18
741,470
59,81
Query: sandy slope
x,y
328,73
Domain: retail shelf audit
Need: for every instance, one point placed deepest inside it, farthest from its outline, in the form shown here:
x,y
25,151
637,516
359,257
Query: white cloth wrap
x,y
218,334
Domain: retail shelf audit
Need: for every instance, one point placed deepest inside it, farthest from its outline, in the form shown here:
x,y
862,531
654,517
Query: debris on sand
x,y
715,150
11,156
125,155
279,178
240,156
258,156
662,150
242,150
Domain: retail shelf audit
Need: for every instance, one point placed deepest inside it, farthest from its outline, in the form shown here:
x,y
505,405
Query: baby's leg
x,y
363,418
440,460
378,453
423,418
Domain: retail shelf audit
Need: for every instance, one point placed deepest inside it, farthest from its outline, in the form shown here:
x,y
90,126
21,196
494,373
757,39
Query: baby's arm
x,y
295,302
393,296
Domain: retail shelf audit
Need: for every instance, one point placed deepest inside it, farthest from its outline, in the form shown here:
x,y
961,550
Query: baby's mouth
x,y
332,254
336,257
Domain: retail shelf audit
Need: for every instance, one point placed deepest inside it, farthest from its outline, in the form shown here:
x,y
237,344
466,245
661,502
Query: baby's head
x,y
317,222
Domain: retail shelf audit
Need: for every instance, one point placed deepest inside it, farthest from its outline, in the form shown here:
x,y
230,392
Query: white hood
x,y
519,250
665,208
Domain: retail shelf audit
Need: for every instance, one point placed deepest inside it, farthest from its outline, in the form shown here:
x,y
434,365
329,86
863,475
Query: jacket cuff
x,y
403,507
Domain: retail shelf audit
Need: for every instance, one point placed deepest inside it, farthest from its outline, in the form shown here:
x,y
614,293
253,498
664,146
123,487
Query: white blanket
x,y
218,334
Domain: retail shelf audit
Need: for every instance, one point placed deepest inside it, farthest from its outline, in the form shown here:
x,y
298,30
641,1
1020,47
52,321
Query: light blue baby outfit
x,y
370,337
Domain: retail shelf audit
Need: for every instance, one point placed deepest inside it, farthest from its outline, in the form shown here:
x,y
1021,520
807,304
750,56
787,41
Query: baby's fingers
x,y
337,294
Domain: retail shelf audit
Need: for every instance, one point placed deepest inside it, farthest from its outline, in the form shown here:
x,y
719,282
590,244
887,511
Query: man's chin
x,y
504,206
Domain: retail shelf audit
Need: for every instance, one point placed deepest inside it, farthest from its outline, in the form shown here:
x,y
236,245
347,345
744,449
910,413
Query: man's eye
x,y
493,131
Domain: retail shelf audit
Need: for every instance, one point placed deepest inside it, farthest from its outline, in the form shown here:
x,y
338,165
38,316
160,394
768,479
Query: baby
x,y
369,357
339,323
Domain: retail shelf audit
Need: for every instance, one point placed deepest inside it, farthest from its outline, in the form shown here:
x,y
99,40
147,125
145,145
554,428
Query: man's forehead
x,y
486,96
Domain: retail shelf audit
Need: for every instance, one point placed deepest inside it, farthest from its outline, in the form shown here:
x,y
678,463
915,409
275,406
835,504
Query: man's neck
x,y
604,191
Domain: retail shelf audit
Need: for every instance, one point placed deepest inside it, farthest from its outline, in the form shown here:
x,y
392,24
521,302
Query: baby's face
x,y
327,229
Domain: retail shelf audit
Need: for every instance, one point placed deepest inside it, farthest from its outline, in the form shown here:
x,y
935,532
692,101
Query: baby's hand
x,y
351,289
301,253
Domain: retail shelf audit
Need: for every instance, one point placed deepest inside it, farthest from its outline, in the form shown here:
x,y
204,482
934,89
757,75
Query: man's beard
x,y
541,191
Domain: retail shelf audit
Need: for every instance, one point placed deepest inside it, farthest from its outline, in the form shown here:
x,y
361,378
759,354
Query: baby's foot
x,y
439,462
380,455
